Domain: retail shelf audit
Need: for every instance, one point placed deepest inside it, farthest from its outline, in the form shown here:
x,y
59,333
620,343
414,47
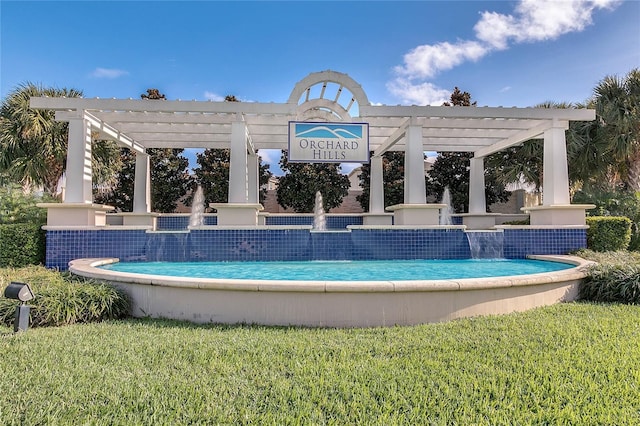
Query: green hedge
x,y
21,244
608,233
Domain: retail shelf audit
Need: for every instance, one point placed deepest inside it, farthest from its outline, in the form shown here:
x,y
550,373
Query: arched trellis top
x,y
141,124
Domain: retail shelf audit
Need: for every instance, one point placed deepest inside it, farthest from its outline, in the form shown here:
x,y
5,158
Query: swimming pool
x,y
378,270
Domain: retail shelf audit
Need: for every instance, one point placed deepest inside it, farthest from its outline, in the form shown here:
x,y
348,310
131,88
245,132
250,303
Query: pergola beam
x,y
392,139
105,129
161,106
477,112
520,137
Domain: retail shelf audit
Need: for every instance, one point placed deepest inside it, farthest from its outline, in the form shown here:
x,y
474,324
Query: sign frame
x,y
330,142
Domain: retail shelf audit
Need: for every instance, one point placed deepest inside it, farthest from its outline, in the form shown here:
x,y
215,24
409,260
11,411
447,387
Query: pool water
x,y
377,270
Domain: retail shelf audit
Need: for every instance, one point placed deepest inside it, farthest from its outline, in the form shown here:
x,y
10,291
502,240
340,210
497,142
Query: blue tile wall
x,y
64,246
333,222
289,220
518,243
180,223
249,244
295,244
410,244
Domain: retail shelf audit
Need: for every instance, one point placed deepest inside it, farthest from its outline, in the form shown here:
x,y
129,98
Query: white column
x,y
414,185
253,171
556,174
477,200
142,184
79,172
376,186
238,188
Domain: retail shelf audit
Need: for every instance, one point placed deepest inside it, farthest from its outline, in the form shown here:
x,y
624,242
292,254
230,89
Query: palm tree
x,y
33,146
617,103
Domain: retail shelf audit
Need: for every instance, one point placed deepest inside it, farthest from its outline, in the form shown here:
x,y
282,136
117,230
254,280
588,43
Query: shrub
x,y
21,244
526,221
608,233
17,207
612,283
616,277
62,299
614,202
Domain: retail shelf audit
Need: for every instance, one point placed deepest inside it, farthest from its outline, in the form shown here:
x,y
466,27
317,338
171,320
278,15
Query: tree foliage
x,y
213,175
120,194
153,94
170,179
393,178
213,172
18,207
451,169
33,146
297,188
617,103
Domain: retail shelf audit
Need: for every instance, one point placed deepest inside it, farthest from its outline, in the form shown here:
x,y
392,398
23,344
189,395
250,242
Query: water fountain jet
x,y
197,209
446,212
319,219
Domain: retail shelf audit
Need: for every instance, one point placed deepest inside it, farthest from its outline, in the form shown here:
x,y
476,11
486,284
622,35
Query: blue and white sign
x,y
328,142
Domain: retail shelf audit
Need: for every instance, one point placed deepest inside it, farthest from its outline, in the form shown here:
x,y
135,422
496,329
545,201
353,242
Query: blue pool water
x,y
378,270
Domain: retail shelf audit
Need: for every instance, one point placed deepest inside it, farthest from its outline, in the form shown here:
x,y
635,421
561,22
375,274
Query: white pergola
x,y
328,96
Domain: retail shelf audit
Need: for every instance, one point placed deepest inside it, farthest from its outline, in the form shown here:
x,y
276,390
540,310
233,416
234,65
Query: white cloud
x,y
538,20
426,61
210,96
532,21
505,89
417,93
109,73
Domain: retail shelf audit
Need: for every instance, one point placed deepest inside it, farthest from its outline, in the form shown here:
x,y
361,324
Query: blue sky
x,y
505,53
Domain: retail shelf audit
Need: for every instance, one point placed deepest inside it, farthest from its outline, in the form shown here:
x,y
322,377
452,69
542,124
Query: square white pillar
x,y
79,185
414,183
142,184
238,175
253,178
556,174
477,200
376,186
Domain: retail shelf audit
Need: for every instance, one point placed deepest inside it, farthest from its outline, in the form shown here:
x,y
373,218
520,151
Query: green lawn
x,y
565,364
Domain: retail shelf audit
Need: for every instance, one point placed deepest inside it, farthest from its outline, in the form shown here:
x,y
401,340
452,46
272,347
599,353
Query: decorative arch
x,y
323,108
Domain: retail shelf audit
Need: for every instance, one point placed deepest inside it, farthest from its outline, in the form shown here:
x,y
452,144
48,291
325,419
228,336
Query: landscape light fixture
x,y
23,293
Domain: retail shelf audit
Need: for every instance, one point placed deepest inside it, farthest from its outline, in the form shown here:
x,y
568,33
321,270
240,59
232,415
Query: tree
x,y
33,146
213,175
451,169
297,188
121,194
153,94
170,180
393,178
617,102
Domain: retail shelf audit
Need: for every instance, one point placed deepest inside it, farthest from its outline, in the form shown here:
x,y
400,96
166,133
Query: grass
x,y
571,363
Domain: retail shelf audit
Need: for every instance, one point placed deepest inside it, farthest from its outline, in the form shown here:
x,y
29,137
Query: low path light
x,y
23,293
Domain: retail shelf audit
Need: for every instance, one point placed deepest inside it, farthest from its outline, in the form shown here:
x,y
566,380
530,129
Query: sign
x,y
328,142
